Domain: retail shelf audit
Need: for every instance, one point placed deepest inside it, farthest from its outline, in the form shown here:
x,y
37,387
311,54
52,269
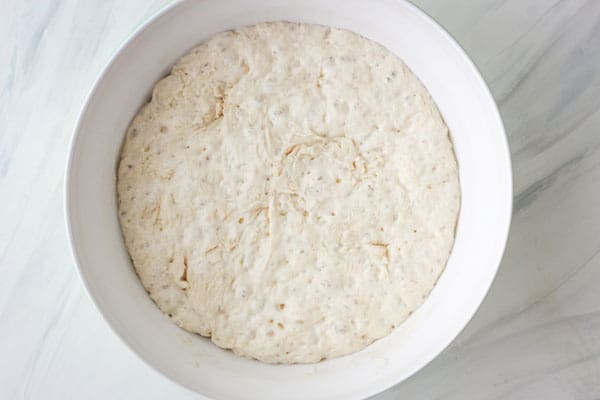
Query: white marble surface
x,y
537,335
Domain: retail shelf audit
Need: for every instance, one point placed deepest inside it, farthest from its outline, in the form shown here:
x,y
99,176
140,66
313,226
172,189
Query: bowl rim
x,y
504,226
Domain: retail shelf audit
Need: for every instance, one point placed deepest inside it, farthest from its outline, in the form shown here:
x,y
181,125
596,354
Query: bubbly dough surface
x,y
290,191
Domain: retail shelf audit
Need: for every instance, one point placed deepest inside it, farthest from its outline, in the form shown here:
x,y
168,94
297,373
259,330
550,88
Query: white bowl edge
x,y
380,386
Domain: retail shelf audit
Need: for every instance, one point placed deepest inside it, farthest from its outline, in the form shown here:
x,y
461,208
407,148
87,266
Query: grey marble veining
x,y
537,335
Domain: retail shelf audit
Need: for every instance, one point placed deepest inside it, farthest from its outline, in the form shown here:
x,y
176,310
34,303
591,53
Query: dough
x,y
290,191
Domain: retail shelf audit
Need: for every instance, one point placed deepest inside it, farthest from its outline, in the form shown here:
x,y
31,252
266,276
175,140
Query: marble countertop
x,y
536,336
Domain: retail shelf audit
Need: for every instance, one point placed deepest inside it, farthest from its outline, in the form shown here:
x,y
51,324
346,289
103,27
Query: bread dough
x,y
290,191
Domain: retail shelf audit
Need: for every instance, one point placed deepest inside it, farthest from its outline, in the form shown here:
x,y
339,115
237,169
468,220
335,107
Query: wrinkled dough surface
x,y
290,191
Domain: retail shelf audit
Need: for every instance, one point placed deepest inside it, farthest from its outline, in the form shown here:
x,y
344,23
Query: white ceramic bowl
x,y
485,175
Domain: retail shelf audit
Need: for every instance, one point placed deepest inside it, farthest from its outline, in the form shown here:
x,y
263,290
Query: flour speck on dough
x,y
290,191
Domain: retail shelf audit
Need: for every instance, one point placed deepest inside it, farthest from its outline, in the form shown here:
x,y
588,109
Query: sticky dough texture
x,y
290,191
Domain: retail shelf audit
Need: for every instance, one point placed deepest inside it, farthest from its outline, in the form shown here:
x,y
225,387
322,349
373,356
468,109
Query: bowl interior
x,y
485,175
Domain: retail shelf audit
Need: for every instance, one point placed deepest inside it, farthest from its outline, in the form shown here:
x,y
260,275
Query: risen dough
x,y
290,191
